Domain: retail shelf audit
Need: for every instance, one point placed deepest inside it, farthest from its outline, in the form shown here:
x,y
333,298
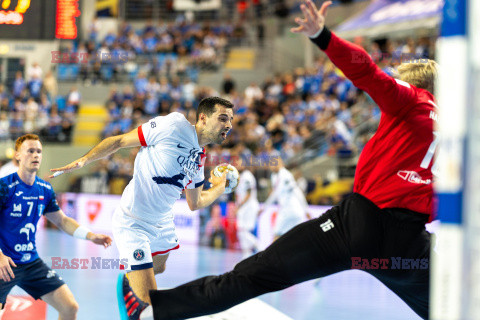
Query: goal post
x,y
455,277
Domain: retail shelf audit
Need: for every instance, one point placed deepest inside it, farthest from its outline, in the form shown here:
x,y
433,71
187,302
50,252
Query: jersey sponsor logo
x,y
138,254
44,185
413,177
16,215
176,180
327,225
19,193
26,257
192,163
10,186
29,198
17,207
23,247
181,147
28,227
40,209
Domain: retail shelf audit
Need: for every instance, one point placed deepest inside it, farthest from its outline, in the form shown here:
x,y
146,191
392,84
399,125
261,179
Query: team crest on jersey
x,y
138,254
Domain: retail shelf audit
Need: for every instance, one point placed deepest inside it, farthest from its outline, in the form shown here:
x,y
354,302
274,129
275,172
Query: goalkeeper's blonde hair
x,y
420,74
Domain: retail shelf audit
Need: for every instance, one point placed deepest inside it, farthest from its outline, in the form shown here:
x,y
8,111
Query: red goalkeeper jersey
x,y
395,167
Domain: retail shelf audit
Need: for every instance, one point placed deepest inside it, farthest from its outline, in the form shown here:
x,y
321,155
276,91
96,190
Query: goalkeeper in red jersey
x,y
380,226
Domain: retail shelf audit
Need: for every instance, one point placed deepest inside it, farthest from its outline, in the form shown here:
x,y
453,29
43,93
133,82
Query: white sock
x,y
147,313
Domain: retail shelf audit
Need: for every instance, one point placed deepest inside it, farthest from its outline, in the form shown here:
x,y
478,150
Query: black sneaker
x,y
129,305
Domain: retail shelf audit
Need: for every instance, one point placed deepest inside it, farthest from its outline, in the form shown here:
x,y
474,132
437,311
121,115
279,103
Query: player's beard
x,y
216,137
213,136
219,137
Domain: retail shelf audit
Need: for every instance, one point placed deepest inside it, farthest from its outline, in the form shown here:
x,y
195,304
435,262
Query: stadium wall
x,y
31,51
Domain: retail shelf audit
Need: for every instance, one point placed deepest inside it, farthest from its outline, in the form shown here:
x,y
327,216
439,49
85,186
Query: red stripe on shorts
x,y
163,252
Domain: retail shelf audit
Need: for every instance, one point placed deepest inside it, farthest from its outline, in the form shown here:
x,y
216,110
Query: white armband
x,y
81,232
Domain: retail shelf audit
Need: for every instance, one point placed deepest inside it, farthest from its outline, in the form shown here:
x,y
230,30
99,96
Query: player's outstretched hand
x,y
100,239
6,272
214,180
77,164
313,19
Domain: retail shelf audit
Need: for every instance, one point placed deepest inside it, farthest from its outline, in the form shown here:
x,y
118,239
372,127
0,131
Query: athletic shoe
x,y
129,305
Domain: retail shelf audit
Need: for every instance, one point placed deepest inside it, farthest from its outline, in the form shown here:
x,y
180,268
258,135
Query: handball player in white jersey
x,y
291,201
247,209
169,162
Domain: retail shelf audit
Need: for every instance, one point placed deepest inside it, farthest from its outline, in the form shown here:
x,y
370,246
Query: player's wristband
x,y
323,39
316,34
81,232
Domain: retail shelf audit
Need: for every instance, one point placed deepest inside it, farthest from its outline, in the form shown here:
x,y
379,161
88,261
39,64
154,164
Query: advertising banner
x,y
95,211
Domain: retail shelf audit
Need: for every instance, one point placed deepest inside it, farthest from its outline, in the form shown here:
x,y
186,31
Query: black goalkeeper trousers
x,y
390,244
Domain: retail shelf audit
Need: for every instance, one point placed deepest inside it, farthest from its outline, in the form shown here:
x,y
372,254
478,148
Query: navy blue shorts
x,y
36,278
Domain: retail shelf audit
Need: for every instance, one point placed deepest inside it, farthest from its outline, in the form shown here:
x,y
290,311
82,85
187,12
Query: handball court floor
x,y
343,296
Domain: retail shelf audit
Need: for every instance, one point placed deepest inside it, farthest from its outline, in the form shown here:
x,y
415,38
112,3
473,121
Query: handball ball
x,y
232,175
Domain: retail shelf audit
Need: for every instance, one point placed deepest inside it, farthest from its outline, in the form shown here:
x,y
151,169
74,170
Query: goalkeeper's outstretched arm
x,y
390,94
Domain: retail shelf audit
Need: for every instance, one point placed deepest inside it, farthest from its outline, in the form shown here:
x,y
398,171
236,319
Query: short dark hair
x,y
207,105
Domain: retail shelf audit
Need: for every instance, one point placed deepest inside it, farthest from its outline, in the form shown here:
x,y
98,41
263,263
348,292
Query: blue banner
x,y
454,21
392,11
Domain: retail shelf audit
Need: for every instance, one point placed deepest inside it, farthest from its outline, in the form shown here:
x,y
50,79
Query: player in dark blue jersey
x,y
24,198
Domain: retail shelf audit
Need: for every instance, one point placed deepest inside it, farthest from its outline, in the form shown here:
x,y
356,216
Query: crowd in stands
x,y
308,109
31,104
178,49
309,112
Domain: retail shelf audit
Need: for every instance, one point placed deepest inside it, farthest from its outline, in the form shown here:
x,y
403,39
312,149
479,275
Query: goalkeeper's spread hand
x,y
313,19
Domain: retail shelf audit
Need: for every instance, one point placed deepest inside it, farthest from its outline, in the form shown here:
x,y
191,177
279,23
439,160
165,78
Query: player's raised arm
x,y
355,63
105,148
